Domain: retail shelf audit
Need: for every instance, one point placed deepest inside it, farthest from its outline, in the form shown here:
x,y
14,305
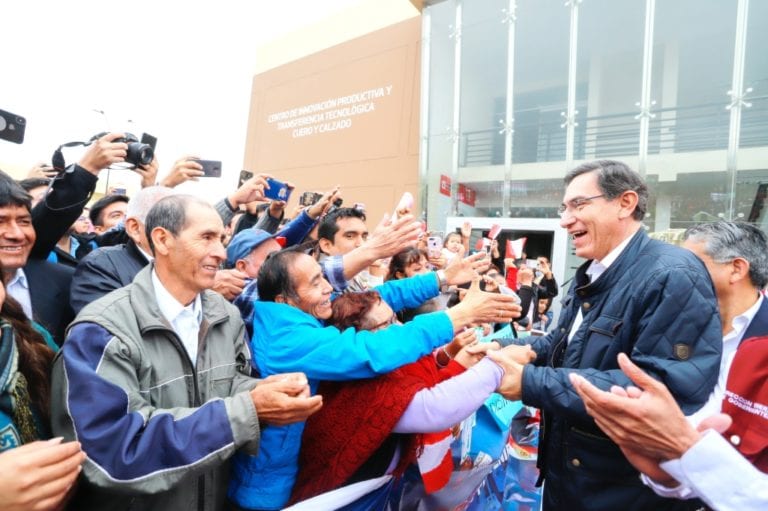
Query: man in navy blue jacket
x,y
653,301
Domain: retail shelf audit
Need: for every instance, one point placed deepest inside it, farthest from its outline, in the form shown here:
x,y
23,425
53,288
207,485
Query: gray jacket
x,y
157,430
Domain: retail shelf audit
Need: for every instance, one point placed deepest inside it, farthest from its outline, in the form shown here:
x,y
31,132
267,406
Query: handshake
x,y
512,360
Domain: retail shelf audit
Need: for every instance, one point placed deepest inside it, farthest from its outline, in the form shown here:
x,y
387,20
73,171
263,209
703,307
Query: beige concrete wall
x,y
346,115
364,17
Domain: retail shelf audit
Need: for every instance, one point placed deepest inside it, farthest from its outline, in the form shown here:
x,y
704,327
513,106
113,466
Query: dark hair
x,y
725,241
494,268
613,179
31,183
170,213
97,208
549,303
328,225
12,194
274,278
402,260
452,233
35,357
351,309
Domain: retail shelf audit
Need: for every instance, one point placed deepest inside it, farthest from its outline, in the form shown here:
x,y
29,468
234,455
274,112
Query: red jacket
x,y
746,393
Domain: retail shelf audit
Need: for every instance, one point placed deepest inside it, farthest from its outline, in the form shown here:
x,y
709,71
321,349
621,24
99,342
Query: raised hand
x,y
480,307
184,169
462,270
104,152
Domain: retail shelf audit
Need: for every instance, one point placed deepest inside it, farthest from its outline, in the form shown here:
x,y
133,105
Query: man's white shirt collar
x,y
170,307
597,268
18,288
19,278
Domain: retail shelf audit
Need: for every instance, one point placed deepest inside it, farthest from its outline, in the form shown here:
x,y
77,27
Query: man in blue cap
x,y
246,253
248,249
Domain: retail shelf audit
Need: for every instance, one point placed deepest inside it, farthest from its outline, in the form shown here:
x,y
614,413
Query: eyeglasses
x,y
384,324
577,204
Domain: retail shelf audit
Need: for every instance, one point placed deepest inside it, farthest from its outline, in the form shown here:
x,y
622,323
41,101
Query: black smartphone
x,y
245,175
148,139
277,190
211,168
309,198
12,127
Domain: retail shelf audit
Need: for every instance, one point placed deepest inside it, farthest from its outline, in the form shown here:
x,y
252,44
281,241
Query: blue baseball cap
x,y
245,241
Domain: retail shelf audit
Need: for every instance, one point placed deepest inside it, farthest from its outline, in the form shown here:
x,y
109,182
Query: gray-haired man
x,y
154,382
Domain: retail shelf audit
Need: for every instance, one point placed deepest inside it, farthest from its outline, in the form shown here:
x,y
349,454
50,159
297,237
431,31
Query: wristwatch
x,y
442,280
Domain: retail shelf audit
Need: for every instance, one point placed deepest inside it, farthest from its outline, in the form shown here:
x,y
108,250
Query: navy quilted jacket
x,y
655,303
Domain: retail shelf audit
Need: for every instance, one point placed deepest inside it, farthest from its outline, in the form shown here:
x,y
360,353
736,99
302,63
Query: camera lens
x,y
20,121
139,154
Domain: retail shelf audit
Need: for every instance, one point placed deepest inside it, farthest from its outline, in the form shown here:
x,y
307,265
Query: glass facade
x,y
520,91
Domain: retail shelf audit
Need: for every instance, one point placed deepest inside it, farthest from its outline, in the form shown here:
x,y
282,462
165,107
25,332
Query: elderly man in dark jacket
x,y
109,268
654,302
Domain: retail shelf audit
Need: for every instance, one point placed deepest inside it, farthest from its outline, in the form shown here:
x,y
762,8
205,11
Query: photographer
x,y
41,287
70,190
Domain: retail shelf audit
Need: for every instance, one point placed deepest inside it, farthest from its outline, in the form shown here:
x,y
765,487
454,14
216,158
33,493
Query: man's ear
x,y
240,265
628,202
325,245
132,229
740,269
163,241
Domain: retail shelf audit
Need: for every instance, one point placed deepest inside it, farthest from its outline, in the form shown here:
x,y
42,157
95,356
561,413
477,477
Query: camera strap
x,y
57,160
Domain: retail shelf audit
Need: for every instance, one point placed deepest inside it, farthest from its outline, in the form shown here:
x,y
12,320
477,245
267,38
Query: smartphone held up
x,y
12,127
277,190
434,246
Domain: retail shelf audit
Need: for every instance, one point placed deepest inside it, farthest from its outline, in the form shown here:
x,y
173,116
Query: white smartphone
x,y
434,246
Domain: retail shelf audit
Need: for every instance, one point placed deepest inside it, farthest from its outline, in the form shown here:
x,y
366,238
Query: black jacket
x,y
530,295
49,293
104,270
62,206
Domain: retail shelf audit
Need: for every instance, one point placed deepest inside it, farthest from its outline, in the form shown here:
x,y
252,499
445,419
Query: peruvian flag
x,y
515,248
511,277
494,232
435,462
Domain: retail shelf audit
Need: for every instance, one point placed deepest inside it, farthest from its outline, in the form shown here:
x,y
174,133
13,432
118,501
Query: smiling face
x,y
313,292
16,237
596,226
187,263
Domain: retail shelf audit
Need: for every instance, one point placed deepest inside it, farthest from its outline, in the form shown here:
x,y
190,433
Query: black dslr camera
x,y
138,154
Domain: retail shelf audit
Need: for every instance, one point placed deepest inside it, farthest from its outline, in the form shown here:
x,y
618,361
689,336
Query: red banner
x,y
467,195
445,185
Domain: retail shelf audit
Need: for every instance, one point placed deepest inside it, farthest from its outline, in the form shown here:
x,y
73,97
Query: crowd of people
x,y
162,352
